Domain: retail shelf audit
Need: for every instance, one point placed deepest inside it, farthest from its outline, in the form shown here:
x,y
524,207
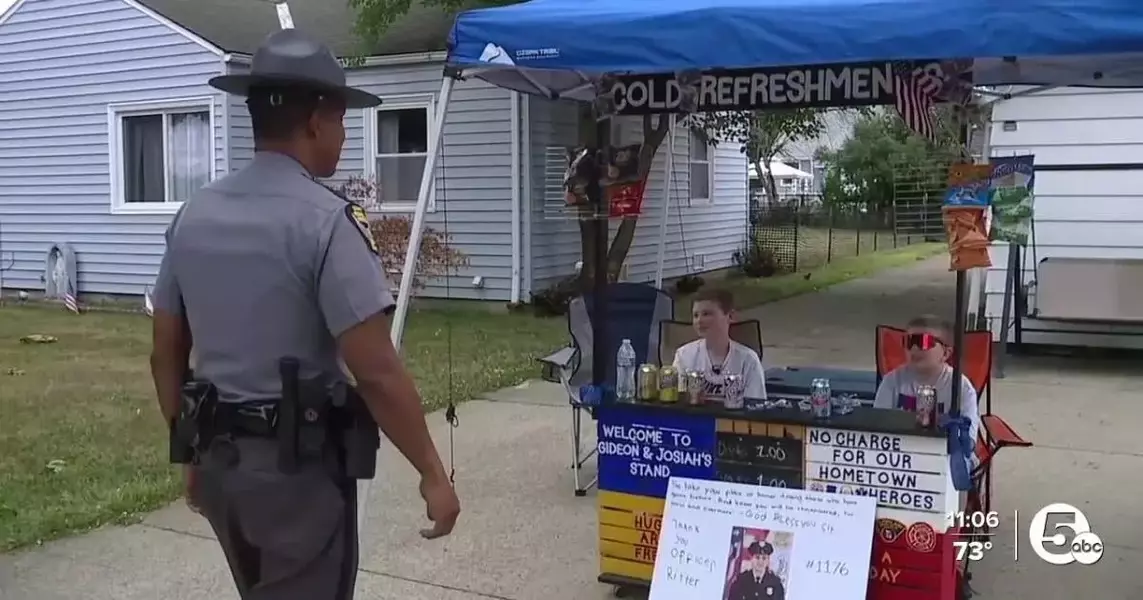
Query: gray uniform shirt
x,y
267,263
901,385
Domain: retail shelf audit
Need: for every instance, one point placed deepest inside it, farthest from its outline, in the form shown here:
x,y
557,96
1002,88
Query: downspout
x,y
526,200
514,136
226,165
668,175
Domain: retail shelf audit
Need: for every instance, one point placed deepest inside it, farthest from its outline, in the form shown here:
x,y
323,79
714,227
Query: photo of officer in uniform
x,y
753,573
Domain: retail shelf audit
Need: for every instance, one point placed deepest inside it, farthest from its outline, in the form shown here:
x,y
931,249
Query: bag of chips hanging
x,y
967,237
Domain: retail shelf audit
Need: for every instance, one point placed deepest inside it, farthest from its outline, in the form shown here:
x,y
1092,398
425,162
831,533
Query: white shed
x,y
1085,271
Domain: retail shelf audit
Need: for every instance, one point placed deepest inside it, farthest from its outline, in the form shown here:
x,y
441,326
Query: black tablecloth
x,y
795,381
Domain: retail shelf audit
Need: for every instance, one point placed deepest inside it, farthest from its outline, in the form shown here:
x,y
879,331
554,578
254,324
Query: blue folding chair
x,y
633,312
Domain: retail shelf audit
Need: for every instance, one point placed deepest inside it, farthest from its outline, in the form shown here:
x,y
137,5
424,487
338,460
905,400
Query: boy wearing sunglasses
x,y
928,343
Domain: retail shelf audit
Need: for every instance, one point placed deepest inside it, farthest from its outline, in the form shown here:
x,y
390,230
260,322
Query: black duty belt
x,y
257,420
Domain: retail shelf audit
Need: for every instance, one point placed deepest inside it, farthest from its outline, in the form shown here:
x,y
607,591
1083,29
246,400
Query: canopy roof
x,y
555,47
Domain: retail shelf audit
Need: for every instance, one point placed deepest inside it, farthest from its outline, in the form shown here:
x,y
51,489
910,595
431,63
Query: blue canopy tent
x,y
555,47
563,48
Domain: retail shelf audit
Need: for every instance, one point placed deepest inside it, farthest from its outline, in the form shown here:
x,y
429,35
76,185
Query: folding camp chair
x,y
633,312
977,367
675,334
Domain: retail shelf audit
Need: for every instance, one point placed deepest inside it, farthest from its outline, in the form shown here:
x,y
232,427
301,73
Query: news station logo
x,y
1060,534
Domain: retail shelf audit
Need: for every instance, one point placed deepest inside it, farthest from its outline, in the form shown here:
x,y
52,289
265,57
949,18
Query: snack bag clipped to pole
x,y
621,182
965,216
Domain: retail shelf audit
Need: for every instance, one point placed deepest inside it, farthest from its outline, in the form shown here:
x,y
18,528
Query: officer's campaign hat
x,y
764,548
290,58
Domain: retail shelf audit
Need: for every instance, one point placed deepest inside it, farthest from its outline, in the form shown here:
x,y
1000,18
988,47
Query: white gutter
x,y
514,148
526,201
285,19
369,61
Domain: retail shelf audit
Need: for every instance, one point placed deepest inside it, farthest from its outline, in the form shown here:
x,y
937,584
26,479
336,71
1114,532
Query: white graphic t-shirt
x,y
899,387
741,361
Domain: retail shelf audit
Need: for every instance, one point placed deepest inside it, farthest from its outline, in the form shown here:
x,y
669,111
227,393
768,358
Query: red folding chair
x,y
976,364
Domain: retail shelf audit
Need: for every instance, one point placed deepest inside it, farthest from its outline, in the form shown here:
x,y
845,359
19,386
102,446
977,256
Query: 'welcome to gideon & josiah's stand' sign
x,y
850,84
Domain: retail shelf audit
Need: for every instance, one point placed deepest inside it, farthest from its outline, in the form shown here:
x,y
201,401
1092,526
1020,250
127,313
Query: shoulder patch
x,y
360,220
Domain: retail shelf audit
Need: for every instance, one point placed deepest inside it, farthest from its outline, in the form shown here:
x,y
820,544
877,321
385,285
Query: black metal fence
x,y
804,233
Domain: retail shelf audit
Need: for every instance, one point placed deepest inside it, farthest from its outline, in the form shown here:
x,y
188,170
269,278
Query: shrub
x,y
553,300
756,261
688,284
392,233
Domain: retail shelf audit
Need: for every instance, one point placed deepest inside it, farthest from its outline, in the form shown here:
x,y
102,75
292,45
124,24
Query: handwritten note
x,y
726,540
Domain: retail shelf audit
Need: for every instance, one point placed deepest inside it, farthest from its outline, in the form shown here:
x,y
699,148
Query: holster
x,y
304,420
315,416
192,428
360,437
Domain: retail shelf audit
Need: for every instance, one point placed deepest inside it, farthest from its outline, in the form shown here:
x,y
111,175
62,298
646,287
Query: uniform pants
x,y
285,536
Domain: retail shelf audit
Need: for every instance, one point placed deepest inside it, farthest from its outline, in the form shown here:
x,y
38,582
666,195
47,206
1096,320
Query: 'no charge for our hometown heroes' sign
x,y
905,472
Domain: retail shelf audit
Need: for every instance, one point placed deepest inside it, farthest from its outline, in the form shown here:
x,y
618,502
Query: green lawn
x,y
82,444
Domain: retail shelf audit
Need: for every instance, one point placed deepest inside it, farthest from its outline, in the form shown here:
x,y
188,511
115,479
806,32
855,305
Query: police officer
x,y
266,263
759,583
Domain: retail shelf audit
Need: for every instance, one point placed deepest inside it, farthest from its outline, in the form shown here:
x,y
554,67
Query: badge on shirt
x,y
360,220
769,591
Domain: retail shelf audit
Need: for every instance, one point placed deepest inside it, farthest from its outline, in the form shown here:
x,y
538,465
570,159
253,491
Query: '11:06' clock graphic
x,y
971,525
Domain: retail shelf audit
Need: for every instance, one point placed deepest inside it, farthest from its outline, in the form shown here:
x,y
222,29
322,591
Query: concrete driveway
x,y
524,536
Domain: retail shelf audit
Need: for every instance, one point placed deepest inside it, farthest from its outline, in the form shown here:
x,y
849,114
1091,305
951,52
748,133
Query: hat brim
x,y
240,85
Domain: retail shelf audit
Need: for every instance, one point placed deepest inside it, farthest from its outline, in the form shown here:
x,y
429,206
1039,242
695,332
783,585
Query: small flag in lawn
x,y
148,303
69,299
915,89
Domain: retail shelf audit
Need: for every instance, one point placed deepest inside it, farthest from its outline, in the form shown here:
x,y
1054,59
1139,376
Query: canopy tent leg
x,y
668,167
1011,275
600,239
958,337
404,294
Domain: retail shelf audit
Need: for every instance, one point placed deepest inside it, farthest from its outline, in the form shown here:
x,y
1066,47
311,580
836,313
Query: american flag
x,y
916,89
734,561
148,303
69,298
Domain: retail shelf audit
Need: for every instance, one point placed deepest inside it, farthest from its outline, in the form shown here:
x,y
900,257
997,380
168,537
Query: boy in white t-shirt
x,y
714,354
927,342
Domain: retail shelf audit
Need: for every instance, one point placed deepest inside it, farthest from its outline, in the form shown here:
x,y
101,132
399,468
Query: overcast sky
x,y
4,4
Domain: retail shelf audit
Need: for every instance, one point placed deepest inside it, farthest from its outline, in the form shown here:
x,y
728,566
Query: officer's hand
x,y
441,505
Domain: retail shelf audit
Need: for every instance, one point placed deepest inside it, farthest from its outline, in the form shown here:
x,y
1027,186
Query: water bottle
x,y
625,372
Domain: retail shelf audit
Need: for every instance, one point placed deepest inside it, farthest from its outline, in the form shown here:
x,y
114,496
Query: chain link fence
x,y
802,233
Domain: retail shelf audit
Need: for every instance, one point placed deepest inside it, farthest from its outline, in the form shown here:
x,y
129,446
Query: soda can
x,y
695,381
926,406
683,387
821,399
647,383
735,390
668,384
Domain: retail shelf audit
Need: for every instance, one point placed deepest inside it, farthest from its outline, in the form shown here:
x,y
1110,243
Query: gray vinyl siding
x,y
555,244
473,176
700,236
61,63
240,138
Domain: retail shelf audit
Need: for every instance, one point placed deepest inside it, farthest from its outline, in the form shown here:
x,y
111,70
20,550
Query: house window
x,y
701,167
162,153
400,149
